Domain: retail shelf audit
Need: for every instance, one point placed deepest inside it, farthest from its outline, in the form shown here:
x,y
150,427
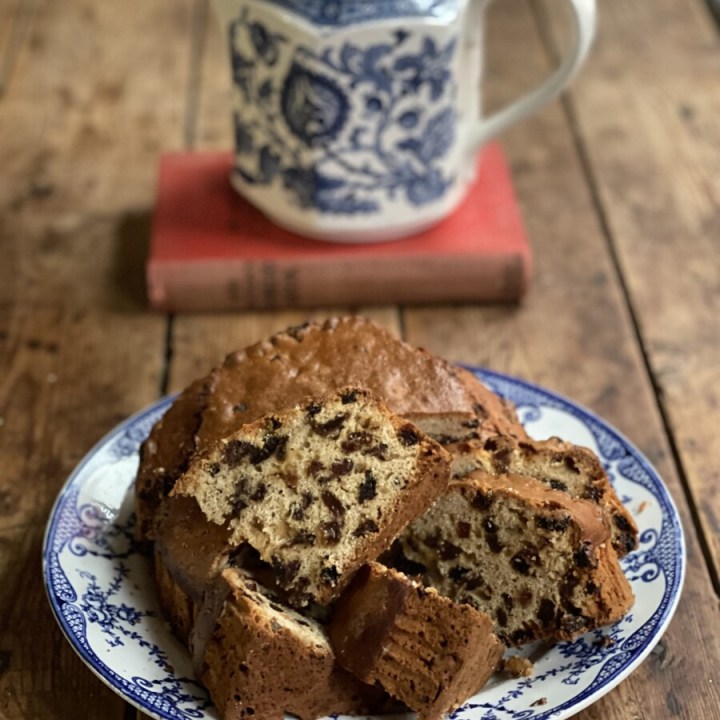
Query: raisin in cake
x,y
319,490
309,361
538,562
259,659
560,465
429,652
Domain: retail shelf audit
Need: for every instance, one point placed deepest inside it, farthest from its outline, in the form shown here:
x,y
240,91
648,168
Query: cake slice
x,y
259,659
319,490
559,465
538,562
305,362
190,552
423,649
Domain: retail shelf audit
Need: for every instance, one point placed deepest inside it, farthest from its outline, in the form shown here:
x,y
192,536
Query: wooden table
x,y
620,187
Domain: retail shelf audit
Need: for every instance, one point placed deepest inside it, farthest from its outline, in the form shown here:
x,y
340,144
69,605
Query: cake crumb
x,y
604,642
642,506
539,701
517,666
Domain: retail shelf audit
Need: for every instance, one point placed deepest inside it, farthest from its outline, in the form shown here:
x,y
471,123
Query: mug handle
x,y
584,14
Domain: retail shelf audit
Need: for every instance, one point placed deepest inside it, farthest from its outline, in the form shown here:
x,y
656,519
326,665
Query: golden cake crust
x,y
165,454
259,659
423,649
309,361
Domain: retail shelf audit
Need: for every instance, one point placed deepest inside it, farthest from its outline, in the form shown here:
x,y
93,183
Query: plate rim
x,y
88,660
590,696
566,710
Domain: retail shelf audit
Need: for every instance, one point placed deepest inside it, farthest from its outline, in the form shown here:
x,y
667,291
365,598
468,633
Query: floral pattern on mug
x,y
344,128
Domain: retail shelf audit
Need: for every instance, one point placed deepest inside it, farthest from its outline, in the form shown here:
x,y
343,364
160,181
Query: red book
x,y
211,250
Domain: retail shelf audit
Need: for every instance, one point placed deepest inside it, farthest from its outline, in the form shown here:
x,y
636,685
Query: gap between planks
x,y
714,6
201,18
196,54
546,36
168,357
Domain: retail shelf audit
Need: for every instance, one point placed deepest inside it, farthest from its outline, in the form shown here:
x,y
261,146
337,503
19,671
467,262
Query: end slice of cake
x,y
538,562
259,659
425,650
319,490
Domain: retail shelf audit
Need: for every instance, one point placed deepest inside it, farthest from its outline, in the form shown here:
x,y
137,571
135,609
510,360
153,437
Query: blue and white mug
x,y
359,120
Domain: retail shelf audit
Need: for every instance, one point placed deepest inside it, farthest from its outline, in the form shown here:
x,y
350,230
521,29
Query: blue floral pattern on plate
x,y
101,590
297,126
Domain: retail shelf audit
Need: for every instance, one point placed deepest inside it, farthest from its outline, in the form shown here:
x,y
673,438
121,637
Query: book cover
x,y
211,250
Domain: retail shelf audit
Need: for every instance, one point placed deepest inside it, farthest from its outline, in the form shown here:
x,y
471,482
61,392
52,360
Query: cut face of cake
x,y
259,659
538,562
423,649
562,466
319,490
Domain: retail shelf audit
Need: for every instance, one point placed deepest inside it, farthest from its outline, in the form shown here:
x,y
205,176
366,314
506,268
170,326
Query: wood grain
x,y
575,335
655,157
93,97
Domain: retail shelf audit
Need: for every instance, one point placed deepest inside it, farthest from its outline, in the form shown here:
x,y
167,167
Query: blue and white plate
x,y
102,593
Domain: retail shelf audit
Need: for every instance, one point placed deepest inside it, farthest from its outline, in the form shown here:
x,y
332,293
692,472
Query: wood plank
x,y
655,157
574,334
93,97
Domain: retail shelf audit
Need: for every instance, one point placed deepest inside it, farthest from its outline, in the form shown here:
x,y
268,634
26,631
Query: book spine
x,y
261,285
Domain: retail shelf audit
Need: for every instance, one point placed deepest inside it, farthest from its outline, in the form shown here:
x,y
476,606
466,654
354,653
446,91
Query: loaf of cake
x,y
306,362
276,482
259,659
429,652
319,490
540,563
560,465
